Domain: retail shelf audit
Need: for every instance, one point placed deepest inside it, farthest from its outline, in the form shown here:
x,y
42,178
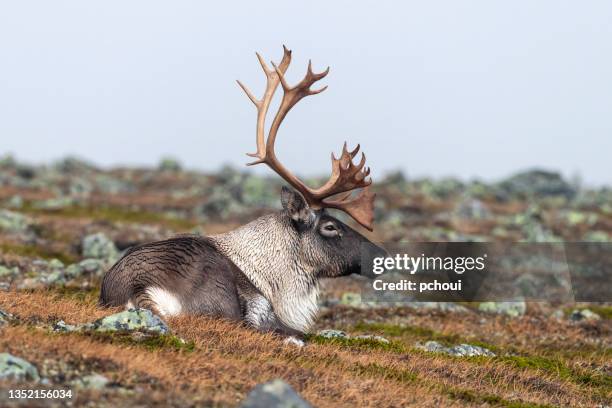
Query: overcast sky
x,y
437,88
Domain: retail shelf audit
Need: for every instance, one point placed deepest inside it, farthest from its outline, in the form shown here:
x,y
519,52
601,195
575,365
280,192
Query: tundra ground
x,y
543,358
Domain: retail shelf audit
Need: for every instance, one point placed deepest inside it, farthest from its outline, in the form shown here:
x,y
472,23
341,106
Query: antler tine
x,y
262,105
360,208
346,176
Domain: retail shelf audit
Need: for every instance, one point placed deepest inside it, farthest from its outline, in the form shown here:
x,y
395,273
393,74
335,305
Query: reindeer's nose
x,y
370,252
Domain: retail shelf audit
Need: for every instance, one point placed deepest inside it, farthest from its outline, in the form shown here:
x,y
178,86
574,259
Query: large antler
x,y
346,176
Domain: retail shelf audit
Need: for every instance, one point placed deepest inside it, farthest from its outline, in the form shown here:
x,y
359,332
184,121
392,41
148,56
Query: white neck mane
x,y
267,252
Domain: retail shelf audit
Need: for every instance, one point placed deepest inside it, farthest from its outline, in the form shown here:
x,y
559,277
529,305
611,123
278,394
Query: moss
x,y
147,341
490,399
115,214
558,368
410,331
33,251
356,343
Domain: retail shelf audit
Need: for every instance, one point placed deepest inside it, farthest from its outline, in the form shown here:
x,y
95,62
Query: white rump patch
x,y
165,302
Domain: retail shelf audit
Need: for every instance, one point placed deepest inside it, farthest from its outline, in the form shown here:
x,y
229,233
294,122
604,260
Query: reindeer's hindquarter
x,y
184,275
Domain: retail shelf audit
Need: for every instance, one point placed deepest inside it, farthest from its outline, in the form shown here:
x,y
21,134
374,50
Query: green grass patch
x,y
409,331
33,251
150,342
559,369
360,344
115,214
472,397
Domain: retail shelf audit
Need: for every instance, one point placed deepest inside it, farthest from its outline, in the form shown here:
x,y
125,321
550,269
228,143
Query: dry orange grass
x,y
229,360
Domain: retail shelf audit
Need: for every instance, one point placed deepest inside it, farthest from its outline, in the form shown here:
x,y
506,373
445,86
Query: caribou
x,y
265,273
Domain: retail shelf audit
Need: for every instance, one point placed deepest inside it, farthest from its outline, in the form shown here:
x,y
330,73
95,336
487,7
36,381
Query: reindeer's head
x,y
328,245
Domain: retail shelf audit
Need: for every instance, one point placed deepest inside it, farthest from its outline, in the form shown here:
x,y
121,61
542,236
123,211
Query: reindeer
x,y
265,273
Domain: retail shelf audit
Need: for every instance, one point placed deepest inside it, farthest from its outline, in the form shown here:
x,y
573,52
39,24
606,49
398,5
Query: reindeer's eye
x,y
329,229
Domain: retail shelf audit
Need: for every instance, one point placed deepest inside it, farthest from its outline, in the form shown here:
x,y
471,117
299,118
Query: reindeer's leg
x,y
143,300
260,315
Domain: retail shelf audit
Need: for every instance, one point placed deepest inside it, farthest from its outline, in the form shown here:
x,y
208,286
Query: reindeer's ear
x,y
296,206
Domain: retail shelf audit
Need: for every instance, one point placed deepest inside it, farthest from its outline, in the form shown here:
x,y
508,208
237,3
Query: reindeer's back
x,y
188,269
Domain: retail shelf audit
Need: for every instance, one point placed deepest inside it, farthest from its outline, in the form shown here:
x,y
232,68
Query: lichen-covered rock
x,y
514,309
332,334
11,221
130,320
442,306
221,203
578,315
274,394
73,165
99,246
6,272
15,202
260,192
55,203
87,267
351,299
472,209
461,350
18,369
468,350
432,347
92,382
169,164
62,326
538,183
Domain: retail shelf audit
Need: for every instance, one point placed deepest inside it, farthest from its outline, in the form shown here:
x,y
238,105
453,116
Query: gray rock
x,y
539,183
18,369
15,202
99,246
130,320
259,192
578,315
44,273
467,350
169,164
274,394
432,347
221,203
442,306
514,309
56,203
11,221
558,315
63,327
351,299
472,209
332,334
6,272
87,267
461,350
91,382
74,165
